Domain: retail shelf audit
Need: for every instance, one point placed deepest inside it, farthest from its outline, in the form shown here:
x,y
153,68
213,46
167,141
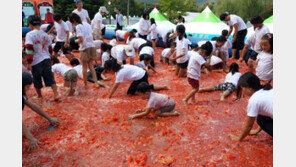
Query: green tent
x,y
269,20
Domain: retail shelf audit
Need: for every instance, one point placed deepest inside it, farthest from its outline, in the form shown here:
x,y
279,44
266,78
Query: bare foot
x,y
185,102
222,98
176,113
76,92
167,88
231,58
67,92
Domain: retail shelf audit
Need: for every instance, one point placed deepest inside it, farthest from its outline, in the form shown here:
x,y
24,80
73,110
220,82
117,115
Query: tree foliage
x,y
172,9
246,9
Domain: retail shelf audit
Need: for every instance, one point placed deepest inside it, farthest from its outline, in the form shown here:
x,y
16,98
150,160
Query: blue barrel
x,y
25,30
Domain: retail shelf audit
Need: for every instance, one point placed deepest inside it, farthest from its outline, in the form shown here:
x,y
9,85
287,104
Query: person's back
x,y
137,42
40,42
241,25
85,31
60,68
233,78
261,103
129,73
258,34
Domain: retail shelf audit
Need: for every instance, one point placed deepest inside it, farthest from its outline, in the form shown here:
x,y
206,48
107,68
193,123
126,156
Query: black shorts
x,y
42,70
118,27
250,55
73,45
103,31
240,38
133,87
141,47
143,36
60,45
183,65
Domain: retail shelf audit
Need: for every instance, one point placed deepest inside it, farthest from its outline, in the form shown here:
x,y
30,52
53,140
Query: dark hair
x,y
208,47
181,30
269,37
134,30
152,21
221,39
106,47
26,80
223,16
112,65
195,47
149,43
55,60
181,18
74,61
57,17
74,17
250,80
256,20
113,37
214,39
34,20
173,44
47,9
224,33
233,68
143,87
145,14
147,57
131,36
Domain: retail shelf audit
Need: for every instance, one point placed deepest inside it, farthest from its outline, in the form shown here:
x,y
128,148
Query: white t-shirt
x,y
166,53
98,17
227,45
69,24
141,64
261,103
83,14
182,44
40,41
117,52
264,69
180,23
153,31
120,33
85,31
43,27
137,42
113,42
163,34
25,69
147,50
60,68
215,60
233,78
61,31
240,22
258,34
78,68
144,26
157,101
98,43
105,57
251,41
129,73
194,65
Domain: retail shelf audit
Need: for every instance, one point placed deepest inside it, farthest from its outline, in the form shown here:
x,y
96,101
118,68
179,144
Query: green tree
x,y
246,9
172,9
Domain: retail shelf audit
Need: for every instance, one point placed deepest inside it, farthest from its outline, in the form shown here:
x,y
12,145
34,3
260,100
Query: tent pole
x,y
127,15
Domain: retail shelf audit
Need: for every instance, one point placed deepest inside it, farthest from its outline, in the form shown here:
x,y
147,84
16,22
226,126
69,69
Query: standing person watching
x,y
82,13
97,23
240,31
119,20
144,26
49,17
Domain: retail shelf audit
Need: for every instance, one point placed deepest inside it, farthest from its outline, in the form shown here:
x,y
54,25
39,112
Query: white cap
x,y
103,9
129,50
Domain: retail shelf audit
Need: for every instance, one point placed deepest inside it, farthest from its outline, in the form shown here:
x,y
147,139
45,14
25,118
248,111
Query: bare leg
x,y
68,56
55,91
251,65
182,73
225,94
74,87
193,99
67,86
102,84
39,95
177,70
193,91
206,89
93,73
241,53
167,114
161,87
84,72
233,53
